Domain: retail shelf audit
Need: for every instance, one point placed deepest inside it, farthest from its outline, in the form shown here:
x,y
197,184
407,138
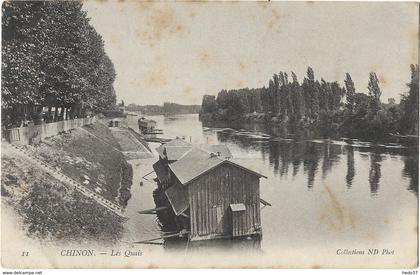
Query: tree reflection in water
x,y
310,162
284,152
350,167
374,172
411,170
332,154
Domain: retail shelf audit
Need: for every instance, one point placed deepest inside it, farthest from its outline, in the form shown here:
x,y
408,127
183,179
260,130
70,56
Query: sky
x,y
179,51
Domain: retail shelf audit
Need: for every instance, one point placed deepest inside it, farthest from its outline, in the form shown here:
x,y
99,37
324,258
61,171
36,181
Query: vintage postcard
x,y
189,134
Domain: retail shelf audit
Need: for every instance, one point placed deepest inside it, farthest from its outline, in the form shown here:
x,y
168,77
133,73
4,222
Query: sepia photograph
x,y
209,134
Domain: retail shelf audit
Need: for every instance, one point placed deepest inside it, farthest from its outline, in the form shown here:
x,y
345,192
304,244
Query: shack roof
x,y
172,153
196,162
177,142
219,149
178,198
176,148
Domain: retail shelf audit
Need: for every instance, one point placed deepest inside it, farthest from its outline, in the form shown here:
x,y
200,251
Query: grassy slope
x,y
94,161
51,210
54,211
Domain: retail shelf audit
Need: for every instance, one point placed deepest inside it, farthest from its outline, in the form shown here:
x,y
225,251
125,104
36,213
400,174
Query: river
x,y
326,195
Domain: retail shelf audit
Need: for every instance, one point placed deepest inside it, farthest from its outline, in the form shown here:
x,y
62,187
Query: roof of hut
x,y
176,148
172,153
177,142
191,163
220,149
197,161
178,198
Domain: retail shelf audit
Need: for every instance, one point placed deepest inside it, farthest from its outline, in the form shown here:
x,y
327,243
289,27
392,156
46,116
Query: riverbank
x,y
221,117
303,129
268,123
50,208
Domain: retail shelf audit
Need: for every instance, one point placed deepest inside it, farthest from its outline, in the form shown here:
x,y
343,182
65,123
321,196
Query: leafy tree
x,y
53,57
274,93
373,86
409,123
252,98
209,104
266,100
311,94
374,93
222,99
298,101
237,104
350,92
337,94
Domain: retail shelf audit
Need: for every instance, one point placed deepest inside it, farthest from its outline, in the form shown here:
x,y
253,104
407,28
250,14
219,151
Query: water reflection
x,y
363,177
331,156
351,172
374,172
286,153
296,159
373,182
411,170
310,162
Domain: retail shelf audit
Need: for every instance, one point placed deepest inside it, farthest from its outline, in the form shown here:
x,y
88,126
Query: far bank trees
x,y
319,105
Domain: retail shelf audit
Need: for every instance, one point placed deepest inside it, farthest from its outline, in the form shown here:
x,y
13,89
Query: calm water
x,y
324,193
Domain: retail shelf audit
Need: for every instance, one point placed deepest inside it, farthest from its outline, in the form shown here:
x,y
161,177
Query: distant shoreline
x,y
167,108
302,129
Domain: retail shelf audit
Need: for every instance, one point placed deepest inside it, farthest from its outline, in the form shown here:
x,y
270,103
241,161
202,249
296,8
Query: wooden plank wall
x,y
211,195
237,224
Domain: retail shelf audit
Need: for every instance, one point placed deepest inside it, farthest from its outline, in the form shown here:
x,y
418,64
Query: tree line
x,y
322,105
168,108
52,58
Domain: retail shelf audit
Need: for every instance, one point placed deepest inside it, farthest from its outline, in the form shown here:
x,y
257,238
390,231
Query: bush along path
x,y
67,180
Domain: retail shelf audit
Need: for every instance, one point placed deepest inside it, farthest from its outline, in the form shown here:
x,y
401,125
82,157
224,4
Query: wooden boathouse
x,y
146,126
211,195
